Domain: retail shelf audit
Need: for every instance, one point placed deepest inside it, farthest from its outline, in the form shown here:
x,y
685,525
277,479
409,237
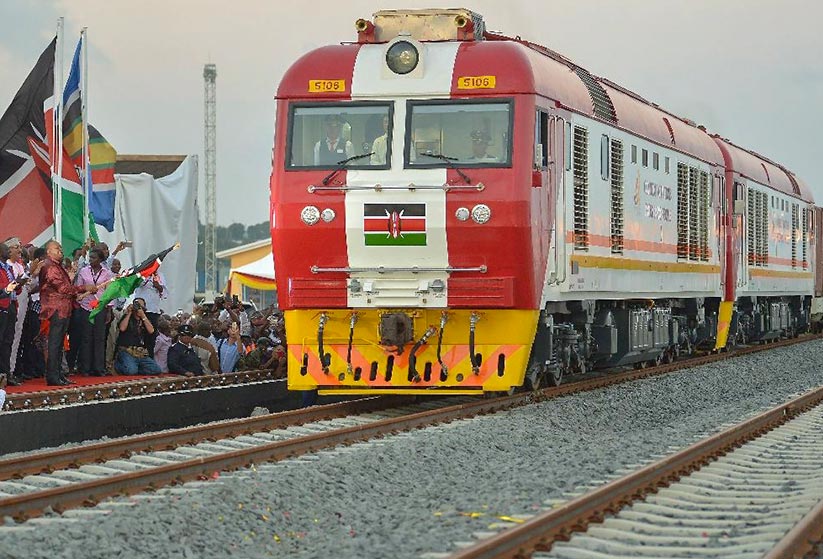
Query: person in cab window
x,y
379,147
480,145
334,147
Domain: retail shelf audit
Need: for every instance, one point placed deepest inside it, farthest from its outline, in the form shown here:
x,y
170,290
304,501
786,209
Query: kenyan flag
x,y
394,224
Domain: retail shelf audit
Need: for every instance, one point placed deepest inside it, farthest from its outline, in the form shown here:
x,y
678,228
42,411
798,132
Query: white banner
x,y
154,214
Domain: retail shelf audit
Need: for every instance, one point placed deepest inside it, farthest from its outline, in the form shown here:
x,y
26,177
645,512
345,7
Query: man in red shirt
x,y
57,294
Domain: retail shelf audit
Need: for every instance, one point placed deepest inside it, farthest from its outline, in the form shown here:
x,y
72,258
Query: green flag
x,y
118,289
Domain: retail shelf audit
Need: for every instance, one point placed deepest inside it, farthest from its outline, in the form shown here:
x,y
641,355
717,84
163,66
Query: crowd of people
x,y
46,328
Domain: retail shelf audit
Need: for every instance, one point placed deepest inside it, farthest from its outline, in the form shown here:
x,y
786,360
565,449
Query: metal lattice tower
x,y
210,126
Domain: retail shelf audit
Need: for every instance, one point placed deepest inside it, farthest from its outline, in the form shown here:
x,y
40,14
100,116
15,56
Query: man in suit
x,y
57,295
334,147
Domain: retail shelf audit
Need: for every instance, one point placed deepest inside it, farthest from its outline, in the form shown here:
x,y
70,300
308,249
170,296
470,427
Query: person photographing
x,y
133,356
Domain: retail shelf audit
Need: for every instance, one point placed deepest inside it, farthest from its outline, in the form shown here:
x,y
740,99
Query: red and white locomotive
x,y
456,211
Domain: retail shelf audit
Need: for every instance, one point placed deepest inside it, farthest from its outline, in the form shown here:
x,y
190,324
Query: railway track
x,y
146,387
754,490
62,479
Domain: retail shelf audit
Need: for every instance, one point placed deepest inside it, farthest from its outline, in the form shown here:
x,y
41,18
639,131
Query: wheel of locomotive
x,y
535,376
640,365
667,356
553,375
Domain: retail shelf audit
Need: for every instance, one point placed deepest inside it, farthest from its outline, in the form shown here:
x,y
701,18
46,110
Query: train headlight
x,y
310,215
438,286
402,57
355,286
462,214
327,215
481,213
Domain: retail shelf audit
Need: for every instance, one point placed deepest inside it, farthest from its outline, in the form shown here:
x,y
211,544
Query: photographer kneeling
x,y
132,348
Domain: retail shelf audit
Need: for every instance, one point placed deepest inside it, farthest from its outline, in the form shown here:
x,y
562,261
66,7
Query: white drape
x,y
154,214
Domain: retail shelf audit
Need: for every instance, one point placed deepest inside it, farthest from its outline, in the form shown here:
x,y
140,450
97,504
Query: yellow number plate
x,y
476,82
322,86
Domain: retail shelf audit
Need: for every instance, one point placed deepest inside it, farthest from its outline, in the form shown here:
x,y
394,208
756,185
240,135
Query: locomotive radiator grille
x,y
763,229
750,229
694,215
757,229
581,188
682,211
693,203
795,227
704,216
617,196
805,236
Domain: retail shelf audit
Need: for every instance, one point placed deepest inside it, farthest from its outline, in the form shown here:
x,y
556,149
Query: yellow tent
x,y
256,275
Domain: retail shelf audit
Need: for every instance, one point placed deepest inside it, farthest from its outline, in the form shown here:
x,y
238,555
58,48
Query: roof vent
x,y
671,130
601,102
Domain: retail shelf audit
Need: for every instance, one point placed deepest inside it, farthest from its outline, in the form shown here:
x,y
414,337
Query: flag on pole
x,y
102,157
90,154
73,216
26,206
125,285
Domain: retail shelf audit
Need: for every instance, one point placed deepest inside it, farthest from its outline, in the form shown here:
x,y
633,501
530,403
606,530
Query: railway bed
x,y
410,464
739,494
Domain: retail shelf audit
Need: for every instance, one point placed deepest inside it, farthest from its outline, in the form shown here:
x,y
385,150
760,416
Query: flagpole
x,y
55,183
84,112
58,216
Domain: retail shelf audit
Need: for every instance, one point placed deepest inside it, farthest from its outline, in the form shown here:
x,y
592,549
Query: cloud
x,y
747,67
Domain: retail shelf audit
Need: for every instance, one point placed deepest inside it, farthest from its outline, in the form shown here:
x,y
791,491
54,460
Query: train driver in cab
x,y
480,145
333,147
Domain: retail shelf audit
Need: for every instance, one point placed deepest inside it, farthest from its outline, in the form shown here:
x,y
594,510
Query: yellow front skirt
x,y
503,338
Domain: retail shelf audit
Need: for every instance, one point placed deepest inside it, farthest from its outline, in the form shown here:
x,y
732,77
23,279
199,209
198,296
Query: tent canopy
x,y
257,275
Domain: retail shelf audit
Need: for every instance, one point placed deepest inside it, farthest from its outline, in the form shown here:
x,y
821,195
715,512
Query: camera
x,y
138,306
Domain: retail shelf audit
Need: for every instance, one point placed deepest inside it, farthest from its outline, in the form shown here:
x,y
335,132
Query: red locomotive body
x,y
455,211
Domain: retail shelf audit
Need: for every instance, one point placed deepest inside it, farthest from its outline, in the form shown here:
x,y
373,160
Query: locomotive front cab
x,y
401,223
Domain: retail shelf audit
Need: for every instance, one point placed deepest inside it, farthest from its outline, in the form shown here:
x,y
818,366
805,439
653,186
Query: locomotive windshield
x,y
322,136
465,133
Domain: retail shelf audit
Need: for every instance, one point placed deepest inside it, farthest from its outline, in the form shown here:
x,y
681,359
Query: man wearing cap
x,y
183,359
133,357
333,148
480,143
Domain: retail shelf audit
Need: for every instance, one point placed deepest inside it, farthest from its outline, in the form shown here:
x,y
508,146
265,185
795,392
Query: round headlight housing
x,y
462,214
310,215
402,57
481,213
327,215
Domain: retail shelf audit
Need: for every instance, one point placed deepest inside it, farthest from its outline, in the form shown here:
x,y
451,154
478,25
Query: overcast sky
x,y
750,70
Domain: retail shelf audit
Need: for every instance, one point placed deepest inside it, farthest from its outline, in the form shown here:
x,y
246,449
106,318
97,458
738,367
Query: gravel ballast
x,y
423,491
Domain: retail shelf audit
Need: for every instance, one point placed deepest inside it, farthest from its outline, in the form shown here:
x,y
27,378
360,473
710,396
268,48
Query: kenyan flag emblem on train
x,y
394,224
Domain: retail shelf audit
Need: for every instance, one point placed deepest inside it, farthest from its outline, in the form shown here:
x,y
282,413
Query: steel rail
x,y
540,532
47,462
802,539
22,506
90,492
144,387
